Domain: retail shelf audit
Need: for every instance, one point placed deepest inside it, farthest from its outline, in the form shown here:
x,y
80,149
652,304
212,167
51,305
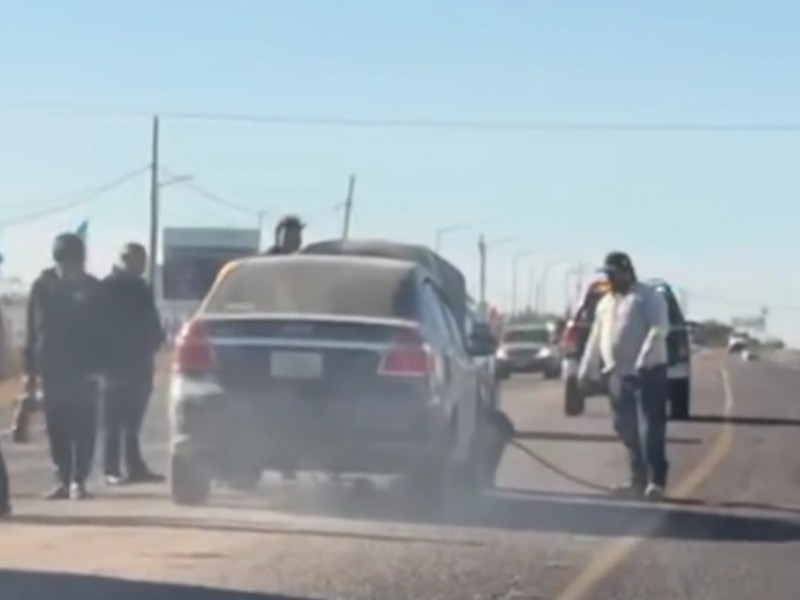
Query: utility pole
x,y
348,207
482,254
154,210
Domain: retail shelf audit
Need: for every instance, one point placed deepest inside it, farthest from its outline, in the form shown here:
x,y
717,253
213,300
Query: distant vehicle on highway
x,y
322,363
530,348
576,334
738,341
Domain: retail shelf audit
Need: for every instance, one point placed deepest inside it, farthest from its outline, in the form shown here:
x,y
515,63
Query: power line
x,y
217,199
92,194
422,123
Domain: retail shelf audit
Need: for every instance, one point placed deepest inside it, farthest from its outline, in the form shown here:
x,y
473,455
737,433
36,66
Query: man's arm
x,y
657,316
590,361
32,332
155,325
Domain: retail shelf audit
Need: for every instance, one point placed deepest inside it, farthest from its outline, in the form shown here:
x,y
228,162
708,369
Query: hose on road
x,y
558,470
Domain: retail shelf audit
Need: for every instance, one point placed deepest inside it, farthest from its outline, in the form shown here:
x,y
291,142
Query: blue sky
x,y
714,212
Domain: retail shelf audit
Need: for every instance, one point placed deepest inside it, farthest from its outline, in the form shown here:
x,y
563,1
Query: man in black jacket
x,y
64,354
288,236
136,334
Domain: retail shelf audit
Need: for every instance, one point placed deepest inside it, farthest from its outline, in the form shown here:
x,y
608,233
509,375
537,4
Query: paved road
x,y
731,533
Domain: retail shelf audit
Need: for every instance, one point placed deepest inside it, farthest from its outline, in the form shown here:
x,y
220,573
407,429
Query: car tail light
x,y
408,357
193,352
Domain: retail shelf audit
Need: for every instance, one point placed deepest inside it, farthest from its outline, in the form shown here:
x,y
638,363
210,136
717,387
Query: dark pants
x,y
126,403
639,405
71,416
5,492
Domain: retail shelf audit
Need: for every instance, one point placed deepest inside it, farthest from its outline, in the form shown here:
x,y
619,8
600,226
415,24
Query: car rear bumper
x,y
224,434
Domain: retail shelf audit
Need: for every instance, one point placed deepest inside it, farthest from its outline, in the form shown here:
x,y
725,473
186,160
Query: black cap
x,y
290,221
69,246
618,261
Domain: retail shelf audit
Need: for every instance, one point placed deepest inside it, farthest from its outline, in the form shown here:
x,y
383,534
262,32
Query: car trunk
x,y
315,376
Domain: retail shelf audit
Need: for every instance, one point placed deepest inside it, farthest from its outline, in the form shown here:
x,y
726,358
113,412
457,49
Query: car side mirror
x,y
482,342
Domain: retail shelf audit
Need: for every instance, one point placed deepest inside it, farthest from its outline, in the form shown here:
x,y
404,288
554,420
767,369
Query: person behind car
x,y
64,353
627,344
135,335
288,236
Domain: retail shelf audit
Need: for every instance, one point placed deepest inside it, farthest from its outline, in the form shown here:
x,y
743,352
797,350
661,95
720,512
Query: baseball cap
x,y
291,221
617,261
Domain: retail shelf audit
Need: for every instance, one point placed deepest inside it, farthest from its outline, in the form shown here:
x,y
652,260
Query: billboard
x,y
194,256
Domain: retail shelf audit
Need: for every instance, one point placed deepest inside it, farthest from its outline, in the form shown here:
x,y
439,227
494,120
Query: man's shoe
x,y
654,492
113,479
77,491
629,490
60,492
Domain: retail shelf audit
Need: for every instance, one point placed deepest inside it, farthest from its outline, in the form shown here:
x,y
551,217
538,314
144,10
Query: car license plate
x,y
295,365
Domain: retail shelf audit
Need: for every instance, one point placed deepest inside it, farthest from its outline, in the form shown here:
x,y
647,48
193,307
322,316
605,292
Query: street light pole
x,y
514,275
483,247
542,302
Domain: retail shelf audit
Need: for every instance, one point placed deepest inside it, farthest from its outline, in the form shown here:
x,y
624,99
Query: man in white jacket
x,y
627,345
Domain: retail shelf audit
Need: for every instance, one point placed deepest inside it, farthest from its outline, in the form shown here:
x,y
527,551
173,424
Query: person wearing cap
x,y
627,345
64,352
135,335
288,236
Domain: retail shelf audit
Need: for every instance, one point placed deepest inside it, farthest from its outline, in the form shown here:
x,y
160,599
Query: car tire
x,y
679,399
552,373
190,485
574,400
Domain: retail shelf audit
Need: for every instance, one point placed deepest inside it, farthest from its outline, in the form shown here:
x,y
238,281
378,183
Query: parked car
x,y
530,348
576,334
322,363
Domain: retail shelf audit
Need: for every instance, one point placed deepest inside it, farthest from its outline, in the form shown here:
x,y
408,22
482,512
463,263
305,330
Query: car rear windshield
x,y
320,287
540,336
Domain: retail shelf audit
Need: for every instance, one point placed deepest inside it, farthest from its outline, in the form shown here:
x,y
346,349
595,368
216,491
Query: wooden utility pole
x,y
482,275
348,207
154,210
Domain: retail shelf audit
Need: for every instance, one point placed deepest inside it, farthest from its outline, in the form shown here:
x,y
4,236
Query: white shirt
x,y
629,333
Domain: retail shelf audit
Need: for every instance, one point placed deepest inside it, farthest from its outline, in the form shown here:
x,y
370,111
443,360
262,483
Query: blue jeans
x,y
639,406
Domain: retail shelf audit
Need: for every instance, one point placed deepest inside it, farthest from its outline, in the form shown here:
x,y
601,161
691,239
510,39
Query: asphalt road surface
x,y
732,531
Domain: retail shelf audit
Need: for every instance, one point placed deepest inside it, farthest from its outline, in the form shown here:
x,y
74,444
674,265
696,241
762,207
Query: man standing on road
x,y
627,345
135,335
288,236
64,353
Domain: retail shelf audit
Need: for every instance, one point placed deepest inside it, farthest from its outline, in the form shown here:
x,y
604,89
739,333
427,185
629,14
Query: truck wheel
x,y
679,399
574,401
190,485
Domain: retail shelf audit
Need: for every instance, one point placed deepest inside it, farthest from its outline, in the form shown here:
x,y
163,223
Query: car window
x,y
432,315
675,313
452,325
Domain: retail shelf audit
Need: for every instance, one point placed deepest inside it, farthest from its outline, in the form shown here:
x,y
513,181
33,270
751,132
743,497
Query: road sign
x,y
194,256
758,323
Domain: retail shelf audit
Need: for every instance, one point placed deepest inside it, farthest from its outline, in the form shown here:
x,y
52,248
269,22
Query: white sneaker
x,y
654,492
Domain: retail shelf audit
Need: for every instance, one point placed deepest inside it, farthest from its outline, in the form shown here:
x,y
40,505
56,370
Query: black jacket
x,y
65,328
134,327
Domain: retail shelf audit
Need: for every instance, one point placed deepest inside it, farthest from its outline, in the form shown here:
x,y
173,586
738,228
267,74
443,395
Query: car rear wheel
x,y
190,485
574,400
679,399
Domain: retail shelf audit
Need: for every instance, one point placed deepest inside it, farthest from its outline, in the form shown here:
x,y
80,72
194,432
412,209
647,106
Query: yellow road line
x,y
612,554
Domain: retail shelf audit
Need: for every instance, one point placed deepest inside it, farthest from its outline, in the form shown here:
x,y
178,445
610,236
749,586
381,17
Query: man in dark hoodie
x,y
136,334
64,354
288,236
